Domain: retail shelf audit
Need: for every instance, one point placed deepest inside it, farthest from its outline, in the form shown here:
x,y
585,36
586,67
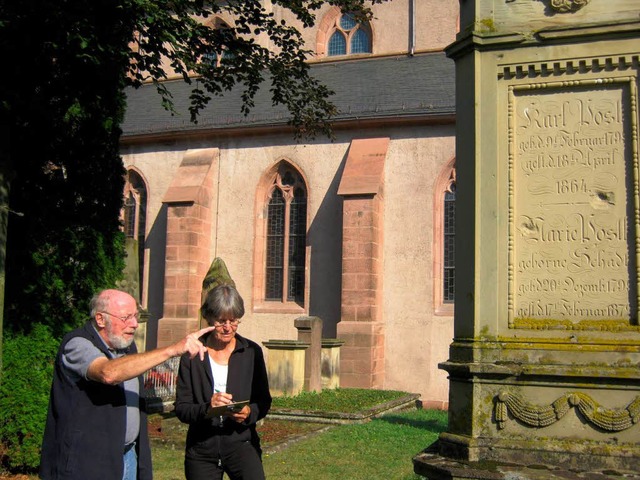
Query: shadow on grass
x,y
434,425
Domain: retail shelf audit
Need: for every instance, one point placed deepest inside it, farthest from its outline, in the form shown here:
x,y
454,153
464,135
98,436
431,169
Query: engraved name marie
x,y
576,228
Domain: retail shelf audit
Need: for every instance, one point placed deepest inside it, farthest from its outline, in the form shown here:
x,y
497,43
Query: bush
x,y
25,383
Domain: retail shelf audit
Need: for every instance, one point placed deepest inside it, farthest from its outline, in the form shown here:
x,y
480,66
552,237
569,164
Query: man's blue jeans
x,y
130,464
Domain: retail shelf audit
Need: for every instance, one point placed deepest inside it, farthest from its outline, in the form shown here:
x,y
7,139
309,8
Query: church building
x,y
357,230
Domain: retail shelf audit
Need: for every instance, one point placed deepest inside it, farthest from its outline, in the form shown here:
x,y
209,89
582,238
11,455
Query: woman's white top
x,y
219,374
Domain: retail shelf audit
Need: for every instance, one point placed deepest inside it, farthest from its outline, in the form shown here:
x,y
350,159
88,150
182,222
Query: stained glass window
x,y
216,58
360,42
286,238
275,246
297,244
337,44
349,37
347,21
449,245
130,216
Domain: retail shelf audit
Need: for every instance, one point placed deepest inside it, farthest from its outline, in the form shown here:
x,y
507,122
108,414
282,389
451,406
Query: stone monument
x,y
544,368
218,274
131,284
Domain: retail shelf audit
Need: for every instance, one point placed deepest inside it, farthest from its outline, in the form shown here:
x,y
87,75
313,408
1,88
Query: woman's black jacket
x,y
247,380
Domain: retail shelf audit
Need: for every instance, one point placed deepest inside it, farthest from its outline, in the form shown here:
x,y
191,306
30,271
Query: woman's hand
x,y
242,415
219,399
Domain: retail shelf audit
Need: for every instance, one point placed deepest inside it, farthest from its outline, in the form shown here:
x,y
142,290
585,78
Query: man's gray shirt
x,y
76,358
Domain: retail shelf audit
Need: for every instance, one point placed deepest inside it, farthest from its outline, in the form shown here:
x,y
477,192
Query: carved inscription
x,y
571,186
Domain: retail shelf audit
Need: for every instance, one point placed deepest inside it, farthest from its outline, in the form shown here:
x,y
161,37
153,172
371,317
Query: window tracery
x,y
449,237
444,270
343,34
282,258
217,57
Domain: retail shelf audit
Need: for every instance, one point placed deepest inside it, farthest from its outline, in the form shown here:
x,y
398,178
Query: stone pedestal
x,y
330,362
285,366
310,332
543,368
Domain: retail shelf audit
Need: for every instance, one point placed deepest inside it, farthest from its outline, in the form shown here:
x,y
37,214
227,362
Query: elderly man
x,y
96,425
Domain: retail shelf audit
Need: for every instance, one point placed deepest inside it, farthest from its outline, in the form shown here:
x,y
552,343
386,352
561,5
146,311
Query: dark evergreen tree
x,y
67,64
62,103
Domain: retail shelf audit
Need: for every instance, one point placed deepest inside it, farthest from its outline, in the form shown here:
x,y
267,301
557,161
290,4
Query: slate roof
x,y
377,88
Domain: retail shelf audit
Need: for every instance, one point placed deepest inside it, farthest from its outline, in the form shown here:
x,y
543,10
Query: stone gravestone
x,y
544,368
218,274
131,284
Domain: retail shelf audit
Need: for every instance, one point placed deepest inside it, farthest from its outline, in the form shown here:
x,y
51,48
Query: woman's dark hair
x,y
222,301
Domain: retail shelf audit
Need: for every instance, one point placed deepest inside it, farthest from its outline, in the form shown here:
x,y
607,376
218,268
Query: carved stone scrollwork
x,y
612,420
565,6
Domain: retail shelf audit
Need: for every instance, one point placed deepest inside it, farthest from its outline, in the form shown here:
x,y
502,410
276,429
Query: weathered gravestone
x,y
545,365
131,284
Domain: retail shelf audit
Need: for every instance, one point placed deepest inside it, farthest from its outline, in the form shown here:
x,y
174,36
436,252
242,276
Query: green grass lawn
x,y
380,449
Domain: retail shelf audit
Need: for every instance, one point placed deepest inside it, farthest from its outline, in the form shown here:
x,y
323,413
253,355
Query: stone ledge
x,y
401,403
431,465
157,405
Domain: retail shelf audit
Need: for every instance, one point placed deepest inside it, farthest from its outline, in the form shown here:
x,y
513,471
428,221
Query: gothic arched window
x,y
286,238
217,57
448,247
281,240
444,235
342,34
135,214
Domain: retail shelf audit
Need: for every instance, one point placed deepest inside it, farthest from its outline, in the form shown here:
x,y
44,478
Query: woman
x,y
221,439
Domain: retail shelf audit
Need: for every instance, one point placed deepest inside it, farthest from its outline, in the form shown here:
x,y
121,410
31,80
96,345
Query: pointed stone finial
x,y
218,274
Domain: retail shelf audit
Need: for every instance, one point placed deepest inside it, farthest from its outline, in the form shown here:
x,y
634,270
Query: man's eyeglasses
x,y
222,323
126,319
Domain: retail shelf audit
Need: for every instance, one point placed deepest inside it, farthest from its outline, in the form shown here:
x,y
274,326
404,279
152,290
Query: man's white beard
x,y
117,342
